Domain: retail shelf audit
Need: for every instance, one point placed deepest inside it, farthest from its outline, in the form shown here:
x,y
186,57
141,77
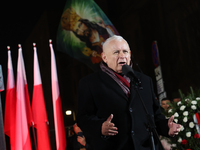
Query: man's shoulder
x,y
93,76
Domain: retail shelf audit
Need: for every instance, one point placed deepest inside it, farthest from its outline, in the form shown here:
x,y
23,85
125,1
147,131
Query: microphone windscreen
x,y
126,69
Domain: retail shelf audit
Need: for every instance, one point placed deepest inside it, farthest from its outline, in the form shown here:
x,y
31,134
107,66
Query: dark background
x,y
174,24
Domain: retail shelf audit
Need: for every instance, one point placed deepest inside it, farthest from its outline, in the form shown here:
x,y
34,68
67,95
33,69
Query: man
x,y
110,112
91,33
165,107
165,104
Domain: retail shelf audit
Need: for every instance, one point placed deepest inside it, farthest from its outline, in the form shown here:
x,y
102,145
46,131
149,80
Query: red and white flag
x,y
57,108
27,101
23,141
10,104
39,108
197,122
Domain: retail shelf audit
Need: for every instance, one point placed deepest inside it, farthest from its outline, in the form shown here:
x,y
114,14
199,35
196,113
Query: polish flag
x,y
197,122
10,105
27,98
22,141
39,108
57,108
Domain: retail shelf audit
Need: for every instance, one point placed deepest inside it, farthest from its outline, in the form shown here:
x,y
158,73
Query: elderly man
x,y
110,112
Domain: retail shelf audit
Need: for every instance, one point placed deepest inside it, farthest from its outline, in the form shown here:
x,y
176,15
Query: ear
x,y
103,56
130,54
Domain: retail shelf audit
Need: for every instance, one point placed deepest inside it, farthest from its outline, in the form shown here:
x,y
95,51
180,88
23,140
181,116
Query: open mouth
x,y
122,63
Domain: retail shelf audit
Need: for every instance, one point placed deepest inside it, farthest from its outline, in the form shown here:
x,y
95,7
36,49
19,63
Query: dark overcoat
x,y
100,96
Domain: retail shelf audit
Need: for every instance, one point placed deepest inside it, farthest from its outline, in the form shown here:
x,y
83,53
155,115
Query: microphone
x,y
128,71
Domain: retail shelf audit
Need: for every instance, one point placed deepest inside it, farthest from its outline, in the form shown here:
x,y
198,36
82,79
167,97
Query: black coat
x,y
100,96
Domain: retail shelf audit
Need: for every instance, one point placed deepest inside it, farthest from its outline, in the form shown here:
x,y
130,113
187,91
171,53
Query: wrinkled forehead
x,y
116,45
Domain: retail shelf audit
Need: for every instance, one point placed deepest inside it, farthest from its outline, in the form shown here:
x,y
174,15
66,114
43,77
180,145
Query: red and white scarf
x,y
123,82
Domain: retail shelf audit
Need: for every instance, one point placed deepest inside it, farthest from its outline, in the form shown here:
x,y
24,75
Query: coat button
x,y
132,132
130,109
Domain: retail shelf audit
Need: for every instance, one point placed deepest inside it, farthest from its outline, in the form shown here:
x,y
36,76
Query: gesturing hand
x,y
108,128
174,128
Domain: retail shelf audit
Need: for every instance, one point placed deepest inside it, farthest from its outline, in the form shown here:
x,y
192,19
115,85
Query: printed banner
x,y
82,30
158,72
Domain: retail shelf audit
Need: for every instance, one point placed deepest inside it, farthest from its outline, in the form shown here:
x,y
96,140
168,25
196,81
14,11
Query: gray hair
x,y
112,38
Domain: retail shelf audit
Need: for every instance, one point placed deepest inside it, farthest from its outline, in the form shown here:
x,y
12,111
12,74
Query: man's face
x,y
165,104
116,54
81,29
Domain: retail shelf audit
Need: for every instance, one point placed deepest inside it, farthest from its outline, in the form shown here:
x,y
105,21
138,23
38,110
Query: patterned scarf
x,y
123,82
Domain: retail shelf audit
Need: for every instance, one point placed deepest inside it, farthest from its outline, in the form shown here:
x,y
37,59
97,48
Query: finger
x,y
178,130
170,122
113,128
171,119
110,118
112,132
111,124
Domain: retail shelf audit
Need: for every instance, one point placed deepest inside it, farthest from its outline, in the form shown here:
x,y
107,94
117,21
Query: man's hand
x,y
81,140
108,128
174,128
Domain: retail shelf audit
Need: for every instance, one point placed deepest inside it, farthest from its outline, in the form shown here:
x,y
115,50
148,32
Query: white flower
x,y
191,125
193,107
185,113
182,107
173,145
176,120
176,114
182,128
167,117
188,134
185,119
169,111
187,99
198,98
179,139
194,102
178,103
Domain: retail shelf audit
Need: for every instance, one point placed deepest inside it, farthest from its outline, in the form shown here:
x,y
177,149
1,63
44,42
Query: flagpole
x,y
34,137
2,136
48,131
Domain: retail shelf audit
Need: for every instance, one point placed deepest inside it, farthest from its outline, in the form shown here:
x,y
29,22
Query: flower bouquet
x,y
186,113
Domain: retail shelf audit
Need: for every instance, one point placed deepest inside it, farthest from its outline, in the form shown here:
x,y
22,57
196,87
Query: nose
x,y
121,54
80,30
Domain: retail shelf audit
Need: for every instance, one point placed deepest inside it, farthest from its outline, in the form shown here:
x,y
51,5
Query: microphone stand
x,y
151,124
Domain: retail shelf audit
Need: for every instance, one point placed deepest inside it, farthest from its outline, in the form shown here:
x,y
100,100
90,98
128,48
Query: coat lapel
x,y
133,92
112,85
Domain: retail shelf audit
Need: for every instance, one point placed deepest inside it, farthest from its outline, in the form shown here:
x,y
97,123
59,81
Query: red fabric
x,y
60,125
9,117
28,107
39,109
57,107
40,118
198,119
123,80
22,141
10,105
